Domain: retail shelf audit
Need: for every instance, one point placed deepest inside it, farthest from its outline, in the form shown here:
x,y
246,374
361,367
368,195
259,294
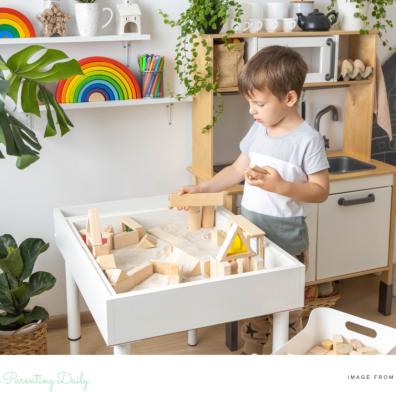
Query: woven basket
x,y
22,342
328,301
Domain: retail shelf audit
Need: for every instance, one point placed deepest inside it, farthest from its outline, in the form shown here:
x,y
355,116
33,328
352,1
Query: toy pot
x,y
346,10
87,18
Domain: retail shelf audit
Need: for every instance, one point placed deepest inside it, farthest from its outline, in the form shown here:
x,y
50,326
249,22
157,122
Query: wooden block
x,y
194,219
367,351
261,247
109,229
107,262
213,267
218,237
327,344
147,242
108,238
317,350
166,236
93,227
250,229
205,268
356,344
208,216
223,269
115,275
186,261
341,348
132,225
124,239
356,353
256,263
197,200
234,267
165,268
133,277
337,338
101,250
331,352
83,234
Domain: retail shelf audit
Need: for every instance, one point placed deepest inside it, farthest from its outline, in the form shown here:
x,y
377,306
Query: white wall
x,y
121,152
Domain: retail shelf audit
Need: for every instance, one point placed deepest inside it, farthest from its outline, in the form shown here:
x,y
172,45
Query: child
x,y
283,162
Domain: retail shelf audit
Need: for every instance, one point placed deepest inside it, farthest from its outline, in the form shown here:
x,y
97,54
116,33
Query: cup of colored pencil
x,y
152,75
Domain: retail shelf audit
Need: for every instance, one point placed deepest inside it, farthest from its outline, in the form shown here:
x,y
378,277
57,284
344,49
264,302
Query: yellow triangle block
x,y
237,246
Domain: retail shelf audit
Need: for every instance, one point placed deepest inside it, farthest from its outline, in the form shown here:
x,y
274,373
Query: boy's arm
x,y
227,177
315,190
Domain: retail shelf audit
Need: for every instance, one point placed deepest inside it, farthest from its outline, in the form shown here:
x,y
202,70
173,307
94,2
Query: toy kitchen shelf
x,y
75,39
138,314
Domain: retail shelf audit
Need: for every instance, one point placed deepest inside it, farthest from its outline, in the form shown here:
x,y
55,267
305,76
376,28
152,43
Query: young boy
x,y
283,162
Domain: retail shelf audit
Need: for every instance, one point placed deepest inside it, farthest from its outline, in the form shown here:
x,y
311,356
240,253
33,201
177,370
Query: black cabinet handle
x,y
359,201
331,43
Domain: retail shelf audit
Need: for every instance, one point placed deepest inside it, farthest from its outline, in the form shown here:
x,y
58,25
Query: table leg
x,y
232,335
192,337
122,349
73,314
280,330
385,298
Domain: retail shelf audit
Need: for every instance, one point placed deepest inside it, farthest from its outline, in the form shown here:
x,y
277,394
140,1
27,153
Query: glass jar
x,y
53,19
152,84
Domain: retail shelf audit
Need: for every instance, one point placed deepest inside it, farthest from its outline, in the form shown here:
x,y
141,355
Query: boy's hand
x,y
188,190
266,178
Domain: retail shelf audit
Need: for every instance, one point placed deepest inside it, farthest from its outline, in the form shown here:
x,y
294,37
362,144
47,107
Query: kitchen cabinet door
x,y
353,232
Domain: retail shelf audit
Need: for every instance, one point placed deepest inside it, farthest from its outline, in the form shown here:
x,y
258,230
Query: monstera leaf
x,y
21,79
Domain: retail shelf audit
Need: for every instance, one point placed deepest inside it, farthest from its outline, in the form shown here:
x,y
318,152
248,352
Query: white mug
x,y
254,25
87,18
288,24
270,24
277,10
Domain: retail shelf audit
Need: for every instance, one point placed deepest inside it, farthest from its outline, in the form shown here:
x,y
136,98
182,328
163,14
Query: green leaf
x,y
8,320
8,242
12,264
41,281
36,314
30,249
21,295
24,160
29,98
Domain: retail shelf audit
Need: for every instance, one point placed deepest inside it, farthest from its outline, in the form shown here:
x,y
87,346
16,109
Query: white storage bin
x,y
326,322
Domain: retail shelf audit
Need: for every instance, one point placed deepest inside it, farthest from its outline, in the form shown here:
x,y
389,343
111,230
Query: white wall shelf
x,y
75,39
121,103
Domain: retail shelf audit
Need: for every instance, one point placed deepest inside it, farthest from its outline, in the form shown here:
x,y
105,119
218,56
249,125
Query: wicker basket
x,y
25,341
316,302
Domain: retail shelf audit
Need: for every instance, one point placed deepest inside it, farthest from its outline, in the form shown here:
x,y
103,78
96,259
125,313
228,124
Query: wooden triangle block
x,y
234,246
147,242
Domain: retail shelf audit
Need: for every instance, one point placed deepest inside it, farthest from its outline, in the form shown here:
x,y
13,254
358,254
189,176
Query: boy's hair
x,y
276,68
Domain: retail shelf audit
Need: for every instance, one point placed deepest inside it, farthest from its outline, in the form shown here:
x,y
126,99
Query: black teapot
x,y
317,21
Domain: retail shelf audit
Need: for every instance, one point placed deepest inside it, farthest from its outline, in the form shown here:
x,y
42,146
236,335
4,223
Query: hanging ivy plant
x,y
201,17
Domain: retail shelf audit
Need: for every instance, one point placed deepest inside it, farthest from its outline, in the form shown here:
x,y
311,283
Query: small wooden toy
x,y
126,238
129,224
129,18
54,21
106,262
147,242
14,24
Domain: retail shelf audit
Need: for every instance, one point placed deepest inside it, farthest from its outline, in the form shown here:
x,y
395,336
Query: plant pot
x,y
28,340
215,30
346,11
87,18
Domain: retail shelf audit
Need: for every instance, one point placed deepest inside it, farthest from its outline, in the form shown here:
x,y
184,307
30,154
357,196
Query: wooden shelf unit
x,y
358,105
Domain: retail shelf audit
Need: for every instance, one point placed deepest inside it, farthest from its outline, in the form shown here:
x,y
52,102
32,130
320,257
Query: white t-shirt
x,y
295,155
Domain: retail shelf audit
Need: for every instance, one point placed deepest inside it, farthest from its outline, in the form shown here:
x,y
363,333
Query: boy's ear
x,y
291,98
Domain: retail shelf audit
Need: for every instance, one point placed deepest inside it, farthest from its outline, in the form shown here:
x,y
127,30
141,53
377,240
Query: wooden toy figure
x,y
54,21
129,18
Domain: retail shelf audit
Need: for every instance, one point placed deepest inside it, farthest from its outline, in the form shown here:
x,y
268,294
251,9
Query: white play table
x,y
136,315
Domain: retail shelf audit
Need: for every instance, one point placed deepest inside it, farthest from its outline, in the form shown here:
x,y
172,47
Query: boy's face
x,y
267,109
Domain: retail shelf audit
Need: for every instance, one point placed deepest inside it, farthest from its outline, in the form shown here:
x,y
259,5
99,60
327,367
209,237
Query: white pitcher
x,y
87,18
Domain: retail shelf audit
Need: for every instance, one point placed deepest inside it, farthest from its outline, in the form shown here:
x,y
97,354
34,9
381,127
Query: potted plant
x,y
22,79
201,17
22,330
365,15
87,17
